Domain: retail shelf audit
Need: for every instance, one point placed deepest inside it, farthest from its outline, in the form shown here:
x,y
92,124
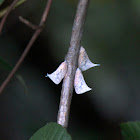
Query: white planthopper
x,y
83,62
79,83
59,74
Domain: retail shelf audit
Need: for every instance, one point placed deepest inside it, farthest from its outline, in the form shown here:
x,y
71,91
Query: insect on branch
x,y
72,63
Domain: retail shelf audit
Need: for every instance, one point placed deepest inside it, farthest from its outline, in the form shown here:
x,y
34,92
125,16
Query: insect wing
x,y
79,83
83,62
59,74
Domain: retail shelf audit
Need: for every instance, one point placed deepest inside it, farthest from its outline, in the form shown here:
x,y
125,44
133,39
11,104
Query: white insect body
x,y
83,62
59,74
79,83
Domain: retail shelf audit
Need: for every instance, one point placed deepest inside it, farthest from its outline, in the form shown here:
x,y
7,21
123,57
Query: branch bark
x,y
28,23
72,60
7,13
28,47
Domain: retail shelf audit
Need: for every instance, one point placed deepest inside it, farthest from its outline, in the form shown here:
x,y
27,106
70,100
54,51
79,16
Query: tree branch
x,y
32,40
72,60
7,13
28,23
4,11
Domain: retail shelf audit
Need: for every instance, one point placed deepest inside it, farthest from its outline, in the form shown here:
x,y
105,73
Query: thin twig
x,y
72,60
7,13
32,40
29,24
4,11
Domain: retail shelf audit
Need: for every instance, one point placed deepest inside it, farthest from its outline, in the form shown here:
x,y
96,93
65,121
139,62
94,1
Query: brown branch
x,y
4,11
29,24
7,13
32,40
72,60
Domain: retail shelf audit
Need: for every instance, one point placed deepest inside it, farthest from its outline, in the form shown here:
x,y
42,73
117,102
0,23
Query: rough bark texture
x,y
72,61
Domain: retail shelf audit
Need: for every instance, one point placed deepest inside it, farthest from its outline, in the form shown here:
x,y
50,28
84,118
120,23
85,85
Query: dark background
x,y
111,38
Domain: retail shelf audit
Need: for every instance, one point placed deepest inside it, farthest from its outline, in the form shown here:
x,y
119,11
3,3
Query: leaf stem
x,y
72,60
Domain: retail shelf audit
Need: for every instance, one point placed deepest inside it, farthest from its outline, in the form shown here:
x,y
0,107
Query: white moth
x,y
59,74
79,83
83,62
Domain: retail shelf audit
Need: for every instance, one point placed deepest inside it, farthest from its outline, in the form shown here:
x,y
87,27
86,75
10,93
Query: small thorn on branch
x,y
29,24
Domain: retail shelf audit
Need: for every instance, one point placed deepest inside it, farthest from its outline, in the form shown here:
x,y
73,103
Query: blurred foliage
x,y
1,1
51,131
3,11
110,38
131,130
5,66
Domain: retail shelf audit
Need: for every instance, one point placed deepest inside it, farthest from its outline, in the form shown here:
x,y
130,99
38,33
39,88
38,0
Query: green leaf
x,y
131,130
5,66
51,131
1,1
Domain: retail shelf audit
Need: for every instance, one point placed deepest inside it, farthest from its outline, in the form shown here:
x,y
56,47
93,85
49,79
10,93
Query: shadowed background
x,y
111,38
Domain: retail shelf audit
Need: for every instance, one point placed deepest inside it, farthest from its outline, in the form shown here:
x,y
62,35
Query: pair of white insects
x,y
79,83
